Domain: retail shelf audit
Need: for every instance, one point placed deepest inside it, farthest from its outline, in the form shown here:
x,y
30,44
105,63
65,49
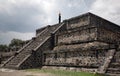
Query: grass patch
x,y
63,72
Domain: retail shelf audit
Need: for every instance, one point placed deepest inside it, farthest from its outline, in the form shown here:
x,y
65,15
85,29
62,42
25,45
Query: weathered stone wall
x,y
108,36
78,22
76,58
117,57
78,36
107,31
77,69
70,51
5,55
83,46
100,22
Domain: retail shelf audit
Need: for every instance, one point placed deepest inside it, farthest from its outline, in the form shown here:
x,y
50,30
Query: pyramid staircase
x,y
108,59
111,66
114,66
25,53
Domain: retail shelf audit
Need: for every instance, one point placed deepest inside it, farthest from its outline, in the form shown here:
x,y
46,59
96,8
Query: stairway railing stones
x,y
30,53
23,60
107,62
7,61
24,53
14,55
40,45
42,31
25,46
58,28
20,50
34,50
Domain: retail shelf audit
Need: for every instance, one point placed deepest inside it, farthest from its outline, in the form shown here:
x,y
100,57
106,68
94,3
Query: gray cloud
x,y
107,9
26,16
19,17
6,37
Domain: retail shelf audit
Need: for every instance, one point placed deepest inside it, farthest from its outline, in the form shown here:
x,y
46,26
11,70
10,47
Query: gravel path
x,y
9,72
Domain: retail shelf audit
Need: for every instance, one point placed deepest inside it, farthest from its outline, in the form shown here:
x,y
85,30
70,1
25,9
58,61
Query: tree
x,y
16,44
4,48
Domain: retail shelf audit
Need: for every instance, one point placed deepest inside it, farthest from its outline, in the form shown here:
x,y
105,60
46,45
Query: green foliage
x,y
3,48
14,45
63,72
16,42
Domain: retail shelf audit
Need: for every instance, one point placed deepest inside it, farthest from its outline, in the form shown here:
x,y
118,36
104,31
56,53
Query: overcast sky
x,y
20,18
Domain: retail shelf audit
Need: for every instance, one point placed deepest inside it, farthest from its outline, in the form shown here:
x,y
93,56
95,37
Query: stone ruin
x,y
4,56
83,43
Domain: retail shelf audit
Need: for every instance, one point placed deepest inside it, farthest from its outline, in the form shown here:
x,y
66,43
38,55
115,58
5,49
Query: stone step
x,y
23,54
114,69
115,63
110,74
27,50
113,72
35,43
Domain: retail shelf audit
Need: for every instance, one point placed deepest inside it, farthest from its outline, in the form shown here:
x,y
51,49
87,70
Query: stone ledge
x,y
91,70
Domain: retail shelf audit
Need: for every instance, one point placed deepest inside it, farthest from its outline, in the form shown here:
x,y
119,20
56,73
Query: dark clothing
x,y
0,60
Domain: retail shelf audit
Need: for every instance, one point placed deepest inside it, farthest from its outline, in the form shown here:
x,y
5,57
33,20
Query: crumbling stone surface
x,y
77,36
76,58
78,22
71,68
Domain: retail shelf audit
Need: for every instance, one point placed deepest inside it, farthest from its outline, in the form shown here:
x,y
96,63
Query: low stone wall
x,y
117,57
77,69
77,36
76,58
83,46
108,36
5,55
80,21
28,63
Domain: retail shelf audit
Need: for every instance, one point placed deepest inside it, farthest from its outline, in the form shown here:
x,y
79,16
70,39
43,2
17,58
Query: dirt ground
x,y
9,72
